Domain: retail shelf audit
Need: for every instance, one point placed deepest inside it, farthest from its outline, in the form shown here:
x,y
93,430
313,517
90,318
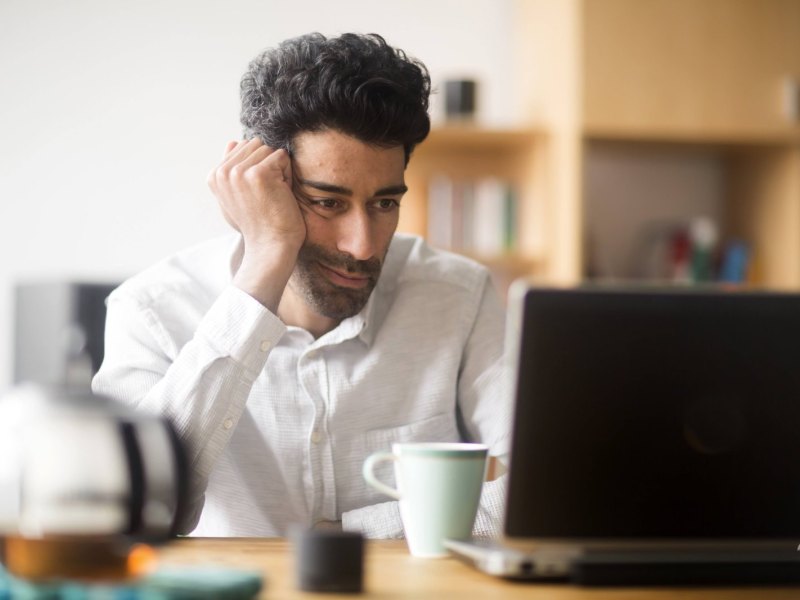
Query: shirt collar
x,y
380,299
362,325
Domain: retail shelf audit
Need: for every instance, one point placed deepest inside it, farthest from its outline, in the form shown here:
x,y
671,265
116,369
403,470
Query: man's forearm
x,y
204,388
489,520
378,521
382,521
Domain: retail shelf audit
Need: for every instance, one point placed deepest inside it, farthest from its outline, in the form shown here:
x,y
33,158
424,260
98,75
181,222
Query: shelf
x,y
507,263
472,138
718,138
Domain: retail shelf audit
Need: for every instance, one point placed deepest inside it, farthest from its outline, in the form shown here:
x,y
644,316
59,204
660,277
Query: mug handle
x,y
369,475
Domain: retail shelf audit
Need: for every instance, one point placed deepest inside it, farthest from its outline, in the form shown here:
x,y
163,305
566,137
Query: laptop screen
x,y
656,414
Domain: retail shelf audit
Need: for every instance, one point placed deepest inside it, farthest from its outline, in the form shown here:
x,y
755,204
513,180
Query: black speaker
x,y
459,97
59,329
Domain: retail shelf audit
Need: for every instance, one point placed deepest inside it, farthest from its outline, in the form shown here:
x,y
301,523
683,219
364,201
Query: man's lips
x,y
345,279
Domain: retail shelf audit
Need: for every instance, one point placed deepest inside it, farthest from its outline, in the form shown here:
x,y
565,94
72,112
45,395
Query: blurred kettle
x,y
82,466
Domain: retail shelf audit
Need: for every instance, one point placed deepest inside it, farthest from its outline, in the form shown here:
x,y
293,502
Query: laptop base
x,y
626,569
630,567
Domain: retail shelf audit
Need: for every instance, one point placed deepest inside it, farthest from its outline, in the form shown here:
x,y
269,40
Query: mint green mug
x,y
439,488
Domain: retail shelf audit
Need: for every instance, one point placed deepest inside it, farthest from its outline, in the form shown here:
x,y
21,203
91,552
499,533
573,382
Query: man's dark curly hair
x,y
356,84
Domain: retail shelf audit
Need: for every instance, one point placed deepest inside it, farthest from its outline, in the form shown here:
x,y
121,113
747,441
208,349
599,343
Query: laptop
x,y
656,438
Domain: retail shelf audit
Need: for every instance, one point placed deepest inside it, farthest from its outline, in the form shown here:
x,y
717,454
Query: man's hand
x,y
253,185
495,469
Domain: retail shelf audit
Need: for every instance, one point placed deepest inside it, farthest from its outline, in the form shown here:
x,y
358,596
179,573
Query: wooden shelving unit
x,y
682,74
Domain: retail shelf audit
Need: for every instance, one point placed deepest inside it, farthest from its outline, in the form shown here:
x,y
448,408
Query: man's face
x,y
351,191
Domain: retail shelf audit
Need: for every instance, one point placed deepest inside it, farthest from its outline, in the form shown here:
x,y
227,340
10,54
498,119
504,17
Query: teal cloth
x,y
187,583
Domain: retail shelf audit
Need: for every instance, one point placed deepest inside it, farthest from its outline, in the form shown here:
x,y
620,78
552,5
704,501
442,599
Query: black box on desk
x,y
59,331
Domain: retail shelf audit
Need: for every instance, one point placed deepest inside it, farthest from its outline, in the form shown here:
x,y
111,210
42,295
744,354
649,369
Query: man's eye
x,y
388,204
328,203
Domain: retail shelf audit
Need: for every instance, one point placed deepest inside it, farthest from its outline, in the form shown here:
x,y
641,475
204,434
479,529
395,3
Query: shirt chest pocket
x,y
439,428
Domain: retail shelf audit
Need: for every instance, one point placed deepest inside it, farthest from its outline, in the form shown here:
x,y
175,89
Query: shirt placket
x,y
319,477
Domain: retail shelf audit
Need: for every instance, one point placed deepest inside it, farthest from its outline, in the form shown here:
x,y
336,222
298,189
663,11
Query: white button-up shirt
x,y
278,423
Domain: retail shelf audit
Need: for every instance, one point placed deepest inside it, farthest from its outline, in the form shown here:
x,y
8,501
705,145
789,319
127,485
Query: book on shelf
x,y
473,216
440,210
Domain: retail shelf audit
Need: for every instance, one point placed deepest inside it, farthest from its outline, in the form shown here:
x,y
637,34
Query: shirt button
x,y
265,345
227,423
313,353
316,437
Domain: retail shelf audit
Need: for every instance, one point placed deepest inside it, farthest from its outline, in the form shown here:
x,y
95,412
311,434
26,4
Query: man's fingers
x,y
241,158
229,148
258,155
240,153
244,148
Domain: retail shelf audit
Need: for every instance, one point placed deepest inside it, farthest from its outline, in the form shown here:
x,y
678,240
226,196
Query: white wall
x,y
113,111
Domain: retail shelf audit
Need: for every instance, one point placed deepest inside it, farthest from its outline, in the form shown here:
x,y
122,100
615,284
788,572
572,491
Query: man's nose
x,y
356,236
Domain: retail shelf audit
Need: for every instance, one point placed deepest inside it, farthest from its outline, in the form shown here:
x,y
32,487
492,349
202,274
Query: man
x,y
289,352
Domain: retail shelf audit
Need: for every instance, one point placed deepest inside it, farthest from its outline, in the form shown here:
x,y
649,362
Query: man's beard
x,y
320,294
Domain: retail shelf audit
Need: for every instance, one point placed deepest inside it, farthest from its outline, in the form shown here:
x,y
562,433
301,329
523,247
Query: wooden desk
x,y
392,574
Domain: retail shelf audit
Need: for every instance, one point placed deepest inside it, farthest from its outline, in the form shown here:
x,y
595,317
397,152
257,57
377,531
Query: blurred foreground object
x,y
85,479
329,560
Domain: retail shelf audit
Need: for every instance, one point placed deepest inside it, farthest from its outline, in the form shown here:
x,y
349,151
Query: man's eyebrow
x,y
391,190
327,187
